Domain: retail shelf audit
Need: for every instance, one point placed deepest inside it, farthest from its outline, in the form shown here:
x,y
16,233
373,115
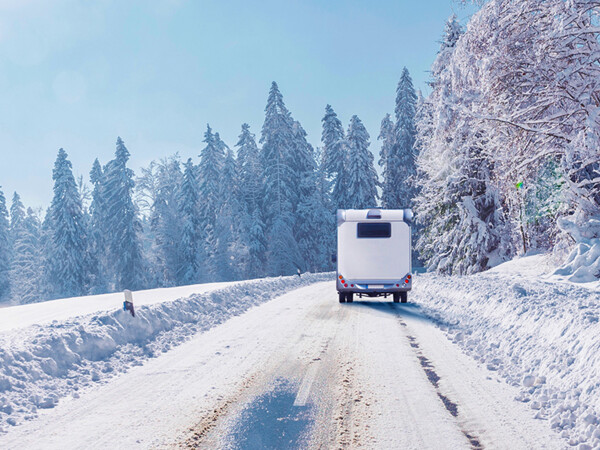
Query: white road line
x,y
306,384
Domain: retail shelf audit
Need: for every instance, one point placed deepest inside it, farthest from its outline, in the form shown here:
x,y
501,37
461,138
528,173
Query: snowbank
x,y
583,262
537,265
39,365
21,316
542,336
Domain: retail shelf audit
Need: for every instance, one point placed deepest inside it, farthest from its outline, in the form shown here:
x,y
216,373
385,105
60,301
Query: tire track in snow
x,y
429,371
354,402
209,421
304,351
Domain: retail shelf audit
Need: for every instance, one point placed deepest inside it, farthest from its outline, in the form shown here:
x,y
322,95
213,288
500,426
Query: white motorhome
x,y
374,253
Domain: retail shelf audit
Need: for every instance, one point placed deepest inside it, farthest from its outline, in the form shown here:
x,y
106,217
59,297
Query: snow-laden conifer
x,y
306,179
27,270
190,244
252,233
165,221
401,160
283,253
5,250
97,237
228,247
316,228
459,207
123,222
386,135
362,177
257,246
335,156
68,259
17,216
251,176
209,171
280,191
209,179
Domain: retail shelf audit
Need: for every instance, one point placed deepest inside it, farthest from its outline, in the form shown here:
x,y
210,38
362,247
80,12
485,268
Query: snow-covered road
x,y
300,370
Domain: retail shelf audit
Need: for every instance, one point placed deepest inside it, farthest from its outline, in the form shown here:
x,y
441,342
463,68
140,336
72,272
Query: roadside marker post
x,y
128,303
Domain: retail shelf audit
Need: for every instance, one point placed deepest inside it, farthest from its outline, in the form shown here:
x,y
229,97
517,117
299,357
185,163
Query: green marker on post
x,y
519,185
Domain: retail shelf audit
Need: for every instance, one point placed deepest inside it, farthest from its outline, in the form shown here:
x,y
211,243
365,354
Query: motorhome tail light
x,y
346,285
340,277
351,285
397,285
343,281
406,281
408,276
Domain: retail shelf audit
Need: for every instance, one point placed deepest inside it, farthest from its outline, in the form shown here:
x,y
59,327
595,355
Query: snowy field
x,y
56,349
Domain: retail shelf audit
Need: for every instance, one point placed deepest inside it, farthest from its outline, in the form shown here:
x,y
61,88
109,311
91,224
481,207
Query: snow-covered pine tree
x,y
17,216
46,249
123,222
423,132
97,239
436,212
16,232
281,238
5,250
68,259
386,135
459,205
335,156
251,189
362,177
402,158
165,221
316,231
280,192
251,177
398,147
256,266
211,163
27,265
475,238
191,247
327,221
423,124
221,145
304,164
209,179
305,168
227,233
85,194
146,186
145,195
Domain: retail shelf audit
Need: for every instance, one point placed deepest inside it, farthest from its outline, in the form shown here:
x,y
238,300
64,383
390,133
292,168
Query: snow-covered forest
x,y
262,207
499,159
508,139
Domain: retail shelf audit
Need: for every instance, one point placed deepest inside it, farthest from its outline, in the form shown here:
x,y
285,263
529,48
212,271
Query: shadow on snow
x,y
412,310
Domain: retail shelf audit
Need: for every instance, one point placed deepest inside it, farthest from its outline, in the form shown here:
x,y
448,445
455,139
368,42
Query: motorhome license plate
x,y
376,286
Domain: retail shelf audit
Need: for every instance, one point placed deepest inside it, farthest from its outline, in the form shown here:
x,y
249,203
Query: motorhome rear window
x,y
375,230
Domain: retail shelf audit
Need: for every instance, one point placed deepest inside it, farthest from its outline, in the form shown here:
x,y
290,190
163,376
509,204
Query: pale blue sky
x,y
76,74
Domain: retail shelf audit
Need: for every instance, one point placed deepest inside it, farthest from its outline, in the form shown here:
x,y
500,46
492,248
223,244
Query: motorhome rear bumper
x,y
371,287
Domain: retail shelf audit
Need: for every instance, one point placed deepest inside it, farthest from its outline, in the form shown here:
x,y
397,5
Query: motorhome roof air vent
x,y
374,214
